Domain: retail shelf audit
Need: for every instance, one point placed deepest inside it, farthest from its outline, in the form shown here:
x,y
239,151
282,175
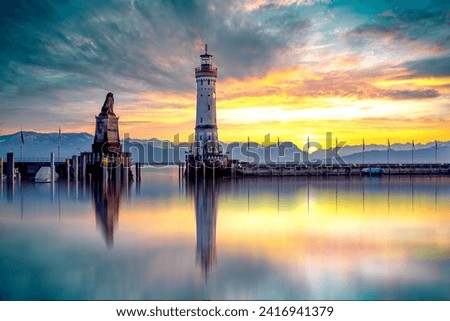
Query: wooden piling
x,y
10,168
68,170
104,170
75,168
138,171
83,167
196,171
124,174
1,170
52,167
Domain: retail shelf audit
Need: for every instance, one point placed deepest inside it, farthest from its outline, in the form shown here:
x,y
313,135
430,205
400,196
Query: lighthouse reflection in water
x,y
205,194
271,238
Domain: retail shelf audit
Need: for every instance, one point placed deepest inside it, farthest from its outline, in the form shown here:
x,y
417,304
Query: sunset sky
x,y
292,68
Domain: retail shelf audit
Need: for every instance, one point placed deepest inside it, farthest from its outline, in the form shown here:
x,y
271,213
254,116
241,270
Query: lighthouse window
x,y
209,82
201,119
209,137
209,107
201,82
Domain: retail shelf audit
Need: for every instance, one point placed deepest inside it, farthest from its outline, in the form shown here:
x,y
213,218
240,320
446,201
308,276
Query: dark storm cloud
x,y
430,67
242,44
51,49
428,25
373,30
411,94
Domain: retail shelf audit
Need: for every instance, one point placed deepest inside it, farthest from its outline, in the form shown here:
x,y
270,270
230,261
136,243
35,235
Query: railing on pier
x,y
337,169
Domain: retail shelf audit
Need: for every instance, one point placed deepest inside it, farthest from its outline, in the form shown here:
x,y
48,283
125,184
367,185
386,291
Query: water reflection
x,y
10,192
107,201
205,194
268,238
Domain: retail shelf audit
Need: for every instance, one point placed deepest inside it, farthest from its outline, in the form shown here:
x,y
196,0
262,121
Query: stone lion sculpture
x,y
108,105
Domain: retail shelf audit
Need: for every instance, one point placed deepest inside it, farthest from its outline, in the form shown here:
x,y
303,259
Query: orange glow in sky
x,y
296,103
292,68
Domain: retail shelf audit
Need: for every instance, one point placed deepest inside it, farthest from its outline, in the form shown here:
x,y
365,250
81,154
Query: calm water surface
x,y
284,238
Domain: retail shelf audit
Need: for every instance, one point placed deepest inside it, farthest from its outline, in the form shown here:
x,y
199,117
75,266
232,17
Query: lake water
x,y
280,238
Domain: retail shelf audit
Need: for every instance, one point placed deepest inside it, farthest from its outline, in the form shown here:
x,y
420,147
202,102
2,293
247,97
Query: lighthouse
x,y
206,146
206,157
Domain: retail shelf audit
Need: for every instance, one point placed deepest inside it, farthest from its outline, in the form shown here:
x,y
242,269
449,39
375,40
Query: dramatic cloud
x,y
59,59
430,67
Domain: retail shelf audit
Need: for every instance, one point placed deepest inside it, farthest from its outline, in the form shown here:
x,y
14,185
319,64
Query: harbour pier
x,y
105,161
246,169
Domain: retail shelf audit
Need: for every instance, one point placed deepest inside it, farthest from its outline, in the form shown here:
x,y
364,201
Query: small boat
x,y
372,171
44,175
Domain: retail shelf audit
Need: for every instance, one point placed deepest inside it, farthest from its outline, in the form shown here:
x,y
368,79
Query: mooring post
x,y
52,167
196,171
10,168
83,167
204,173
124,174
138,171
75,168
1,170
104,169
68,170
123,165
118,171
188,168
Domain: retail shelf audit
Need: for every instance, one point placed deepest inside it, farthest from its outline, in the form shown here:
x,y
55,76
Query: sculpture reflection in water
x,y
205,193
107,200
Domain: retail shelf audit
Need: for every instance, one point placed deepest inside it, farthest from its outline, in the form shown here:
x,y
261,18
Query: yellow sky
x,y
294,103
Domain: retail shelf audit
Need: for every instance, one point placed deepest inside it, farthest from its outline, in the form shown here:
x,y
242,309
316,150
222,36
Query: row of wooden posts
x,y
10,173
80,163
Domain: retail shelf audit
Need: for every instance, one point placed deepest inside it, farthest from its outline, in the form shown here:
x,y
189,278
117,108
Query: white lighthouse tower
x,y
206,146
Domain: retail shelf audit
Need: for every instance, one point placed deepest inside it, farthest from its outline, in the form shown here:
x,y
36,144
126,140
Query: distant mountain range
x,y
38,146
